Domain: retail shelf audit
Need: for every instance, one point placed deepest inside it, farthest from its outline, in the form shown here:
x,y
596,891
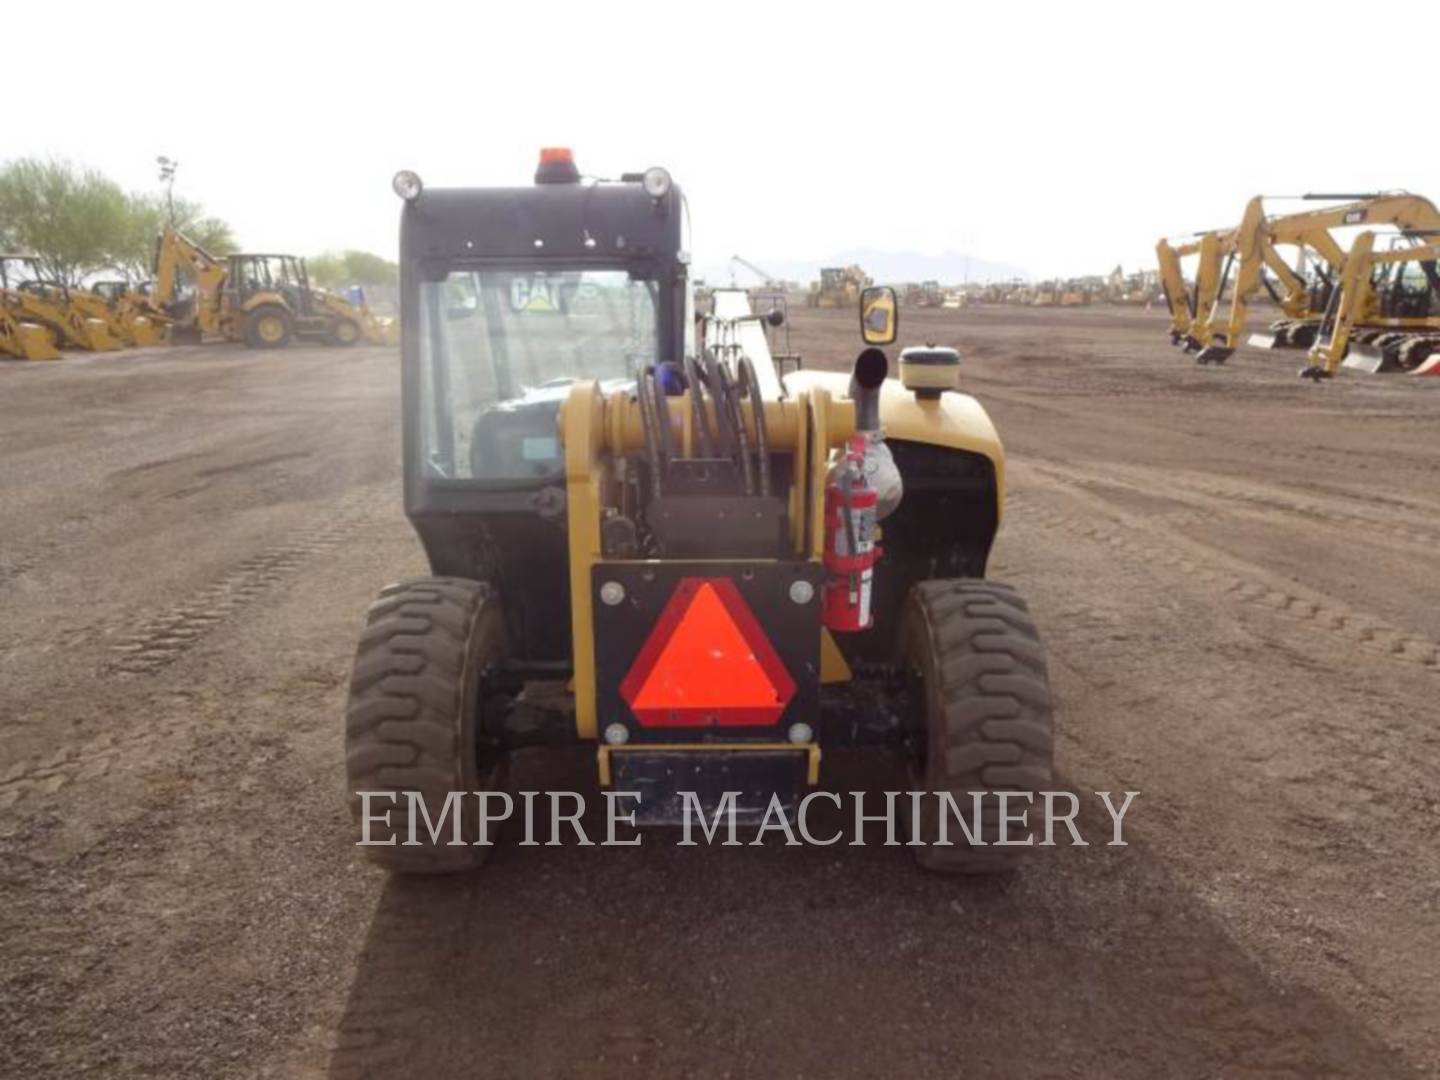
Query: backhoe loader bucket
x,y
147,331
95,335
26,340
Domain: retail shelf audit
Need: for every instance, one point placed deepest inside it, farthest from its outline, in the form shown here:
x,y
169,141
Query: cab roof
x,y
599,221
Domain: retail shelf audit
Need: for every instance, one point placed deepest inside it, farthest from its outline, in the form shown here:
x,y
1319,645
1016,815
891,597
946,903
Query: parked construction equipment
x,y
1384,314
925,294
652,542
838,287
142,323
1251,248
265,301
23,338
768,281
31,299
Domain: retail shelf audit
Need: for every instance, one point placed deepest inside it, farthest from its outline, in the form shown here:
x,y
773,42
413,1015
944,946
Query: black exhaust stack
x,y
871,367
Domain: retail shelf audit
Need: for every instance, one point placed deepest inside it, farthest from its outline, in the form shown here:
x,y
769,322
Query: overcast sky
x,y
1063,137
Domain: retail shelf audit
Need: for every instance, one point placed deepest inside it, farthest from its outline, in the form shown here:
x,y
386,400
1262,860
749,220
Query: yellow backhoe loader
x,y
24,339
1253,249
1385,313
140,321
266,301
29,298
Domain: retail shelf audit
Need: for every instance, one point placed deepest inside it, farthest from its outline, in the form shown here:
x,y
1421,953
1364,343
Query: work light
x,y
407,185
656,182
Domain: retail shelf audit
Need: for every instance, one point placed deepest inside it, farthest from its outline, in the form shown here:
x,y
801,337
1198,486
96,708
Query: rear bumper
x,y
676,783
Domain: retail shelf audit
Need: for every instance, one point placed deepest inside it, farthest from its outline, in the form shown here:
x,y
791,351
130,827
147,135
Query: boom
x,y
1254,249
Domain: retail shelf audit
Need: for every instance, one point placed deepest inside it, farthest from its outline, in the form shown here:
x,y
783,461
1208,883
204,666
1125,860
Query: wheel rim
x,y
271,329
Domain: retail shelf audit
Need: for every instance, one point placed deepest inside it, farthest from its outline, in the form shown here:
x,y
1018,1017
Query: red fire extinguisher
x,y
850,548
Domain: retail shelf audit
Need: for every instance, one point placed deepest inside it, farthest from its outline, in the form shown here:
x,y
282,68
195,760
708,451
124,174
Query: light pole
x,y
167,176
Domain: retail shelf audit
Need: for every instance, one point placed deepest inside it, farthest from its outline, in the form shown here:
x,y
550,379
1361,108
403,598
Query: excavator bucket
x,y
1370,358
1429,367
1214,354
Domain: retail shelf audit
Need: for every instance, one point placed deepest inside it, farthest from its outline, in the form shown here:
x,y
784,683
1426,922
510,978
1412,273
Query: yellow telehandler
x,y
645,539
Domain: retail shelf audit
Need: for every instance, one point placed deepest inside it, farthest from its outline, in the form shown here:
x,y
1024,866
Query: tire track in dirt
x,y
165,637
1230,492
168,635
22,557
1241,582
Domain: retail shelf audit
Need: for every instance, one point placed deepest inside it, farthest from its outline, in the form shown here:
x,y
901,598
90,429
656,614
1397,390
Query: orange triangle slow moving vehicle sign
x,y
707,662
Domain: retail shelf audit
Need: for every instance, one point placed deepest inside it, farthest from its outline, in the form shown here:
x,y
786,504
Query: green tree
x,y
71,219
334,269
147,215
79,223
327,270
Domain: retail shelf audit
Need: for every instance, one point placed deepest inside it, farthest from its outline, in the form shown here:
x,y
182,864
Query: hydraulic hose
x,y
751,385
700,421
647,423
732,409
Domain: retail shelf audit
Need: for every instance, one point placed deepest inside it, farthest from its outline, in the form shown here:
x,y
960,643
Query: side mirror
x,y
879,315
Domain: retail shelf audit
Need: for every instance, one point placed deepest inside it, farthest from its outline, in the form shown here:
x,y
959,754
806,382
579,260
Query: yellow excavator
x,y
29,298
265,301
1252,248
1179,298
1384,314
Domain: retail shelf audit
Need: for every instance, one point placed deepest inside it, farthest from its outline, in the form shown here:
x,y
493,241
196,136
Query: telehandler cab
x,y
644,537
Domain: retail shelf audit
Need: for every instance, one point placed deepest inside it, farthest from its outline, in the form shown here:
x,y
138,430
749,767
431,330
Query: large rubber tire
x,y
977,674
269,326
343,333
412,723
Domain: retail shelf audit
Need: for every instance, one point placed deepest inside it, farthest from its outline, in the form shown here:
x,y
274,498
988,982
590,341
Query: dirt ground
x,y
1236,576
